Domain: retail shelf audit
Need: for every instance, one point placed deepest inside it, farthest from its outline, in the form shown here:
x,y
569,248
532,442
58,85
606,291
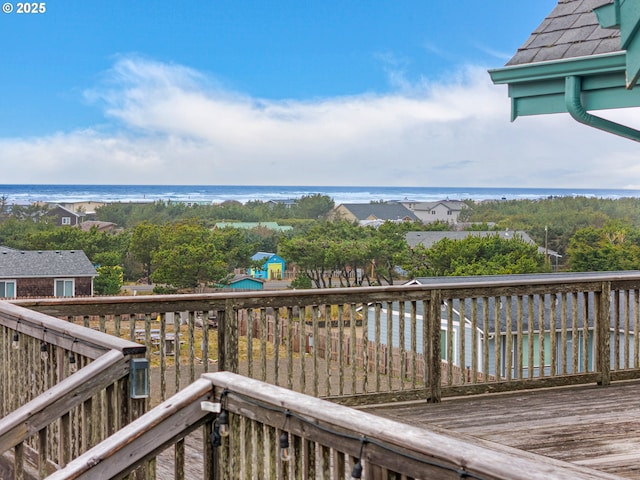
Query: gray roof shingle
x,y
44,263
571,30
380,211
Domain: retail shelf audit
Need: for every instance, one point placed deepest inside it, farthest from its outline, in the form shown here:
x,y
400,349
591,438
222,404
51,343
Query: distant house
x,y
45,273
244,282
100,226
273,266
442,211
287,203
88,208
427,239
250,225
64,217
365,213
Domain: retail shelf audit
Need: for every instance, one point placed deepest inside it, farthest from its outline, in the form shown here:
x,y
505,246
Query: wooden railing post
x,y
228,339
434,363
603,347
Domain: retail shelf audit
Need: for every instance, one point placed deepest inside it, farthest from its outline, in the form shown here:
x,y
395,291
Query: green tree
x,y
615,246
187,257
145,241
476,255
109,280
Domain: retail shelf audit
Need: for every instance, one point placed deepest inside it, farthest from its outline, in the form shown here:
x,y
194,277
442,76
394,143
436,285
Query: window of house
x,y
448,212
433,212
8,289
64,288
66,220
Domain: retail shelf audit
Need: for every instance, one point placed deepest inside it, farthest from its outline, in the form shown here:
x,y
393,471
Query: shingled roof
x,y
379,211
44,263
584,56
571,30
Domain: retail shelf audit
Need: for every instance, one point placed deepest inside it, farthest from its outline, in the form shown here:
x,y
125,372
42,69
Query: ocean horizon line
x,y
110,193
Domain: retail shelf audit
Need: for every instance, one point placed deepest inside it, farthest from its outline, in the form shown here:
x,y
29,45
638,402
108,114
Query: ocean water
x,y
26,194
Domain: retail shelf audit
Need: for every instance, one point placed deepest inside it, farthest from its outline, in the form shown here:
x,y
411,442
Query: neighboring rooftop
x,y
428,239
44,263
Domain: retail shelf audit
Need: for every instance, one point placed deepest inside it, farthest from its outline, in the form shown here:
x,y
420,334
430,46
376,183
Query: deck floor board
x,y
589,425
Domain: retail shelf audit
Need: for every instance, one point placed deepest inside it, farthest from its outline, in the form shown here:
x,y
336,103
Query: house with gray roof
x,y
441,211
428,239
45,273
583,57
495,319
364,213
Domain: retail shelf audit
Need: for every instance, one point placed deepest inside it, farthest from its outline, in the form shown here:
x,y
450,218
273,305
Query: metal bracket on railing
x,y
211,407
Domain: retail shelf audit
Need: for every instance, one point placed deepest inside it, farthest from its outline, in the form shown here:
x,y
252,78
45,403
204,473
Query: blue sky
x,y
283,92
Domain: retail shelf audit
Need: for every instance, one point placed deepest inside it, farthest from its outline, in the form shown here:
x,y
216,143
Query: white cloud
x,y
174,125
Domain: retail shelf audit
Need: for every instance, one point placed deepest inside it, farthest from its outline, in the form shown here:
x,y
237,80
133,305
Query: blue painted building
x,y
273,266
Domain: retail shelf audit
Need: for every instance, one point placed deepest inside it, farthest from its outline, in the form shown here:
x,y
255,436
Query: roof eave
x,y
555,69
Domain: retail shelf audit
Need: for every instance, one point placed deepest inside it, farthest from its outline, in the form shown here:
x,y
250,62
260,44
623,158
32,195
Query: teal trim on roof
x,y
595,41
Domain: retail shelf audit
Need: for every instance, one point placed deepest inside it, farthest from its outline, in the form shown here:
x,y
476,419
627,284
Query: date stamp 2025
x,y
24,7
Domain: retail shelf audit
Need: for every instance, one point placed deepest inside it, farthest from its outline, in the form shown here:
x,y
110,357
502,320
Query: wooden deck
x,y
590,426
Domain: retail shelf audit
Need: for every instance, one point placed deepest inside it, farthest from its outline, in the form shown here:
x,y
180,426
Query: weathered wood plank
x,y
434,446
60,399
585,425
144,437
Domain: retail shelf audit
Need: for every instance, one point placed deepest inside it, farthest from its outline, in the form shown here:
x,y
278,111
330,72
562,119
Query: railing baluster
x,y
288,325
575,336
264,338
474,340
563,334
519,337
627,329
485,340
177,322
18,461
327,351
277,340
450,341
376,346
316,343
497,338
178,459
401,343
353,358
507,305
414,344
163,360
462,350
341,356
530,329
300,329
191,338
250,318
636,328
553,334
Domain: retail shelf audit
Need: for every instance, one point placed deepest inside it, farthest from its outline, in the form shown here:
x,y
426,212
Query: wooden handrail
x,y
439,448
64,334
61,398
144,437
400,448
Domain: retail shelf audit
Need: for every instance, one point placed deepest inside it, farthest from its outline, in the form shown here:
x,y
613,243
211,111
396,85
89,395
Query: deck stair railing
x,y
447,336
63,389
276,433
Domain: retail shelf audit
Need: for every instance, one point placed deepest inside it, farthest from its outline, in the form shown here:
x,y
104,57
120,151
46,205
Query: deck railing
x,y
377,344
63,389
275,433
